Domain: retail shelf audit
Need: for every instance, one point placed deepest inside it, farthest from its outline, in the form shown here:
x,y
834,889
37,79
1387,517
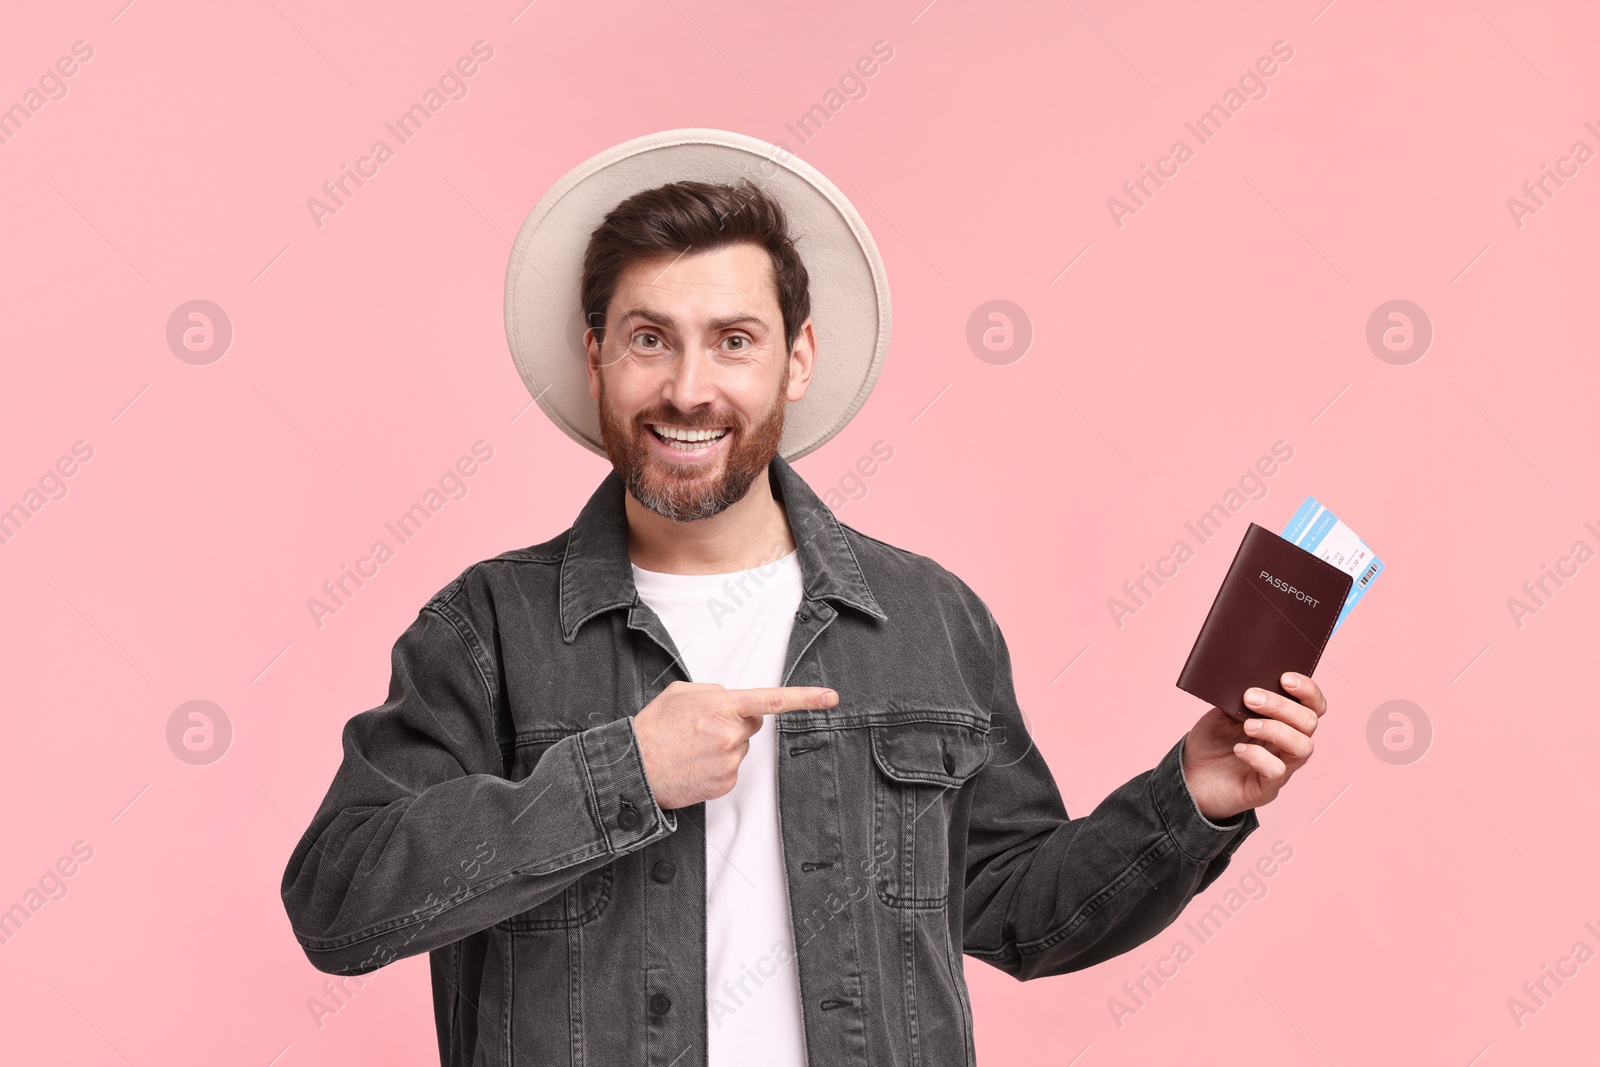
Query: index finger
x,y
1303,689
785,698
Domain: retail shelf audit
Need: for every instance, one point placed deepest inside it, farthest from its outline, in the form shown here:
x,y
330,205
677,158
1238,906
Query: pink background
x,y
1228,313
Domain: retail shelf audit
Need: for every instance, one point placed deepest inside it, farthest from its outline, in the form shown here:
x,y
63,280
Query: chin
x,y
663,474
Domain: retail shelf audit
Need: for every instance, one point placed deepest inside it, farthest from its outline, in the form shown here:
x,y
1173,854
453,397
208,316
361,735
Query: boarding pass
x,y
1318,531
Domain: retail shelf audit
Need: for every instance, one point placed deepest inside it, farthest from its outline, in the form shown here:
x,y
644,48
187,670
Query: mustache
x,y
699,421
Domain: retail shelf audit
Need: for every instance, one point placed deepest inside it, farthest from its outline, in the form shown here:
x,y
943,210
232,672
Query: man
x,y
711,778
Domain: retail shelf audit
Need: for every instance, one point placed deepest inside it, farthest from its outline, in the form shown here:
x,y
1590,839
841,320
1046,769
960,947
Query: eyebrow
x,y
666,320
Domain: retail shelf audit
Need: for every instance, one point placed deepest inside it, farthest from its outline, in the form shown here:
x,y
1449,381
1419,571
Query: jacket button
x,y
663,871
660,1004
628,818
949,763
802,616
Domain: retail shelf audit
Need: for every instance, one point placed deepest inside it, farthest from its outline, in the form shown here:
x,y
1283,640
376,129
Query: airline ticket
x,y
1317,530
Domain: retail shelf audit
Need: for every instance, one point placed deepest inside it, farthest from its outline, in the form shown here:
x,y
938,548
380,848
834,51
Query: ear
x,y
802,361
592,362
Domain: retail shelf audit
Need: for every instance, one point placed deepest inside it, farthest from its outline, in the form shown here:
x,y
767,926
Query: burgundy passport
x,y
1273,614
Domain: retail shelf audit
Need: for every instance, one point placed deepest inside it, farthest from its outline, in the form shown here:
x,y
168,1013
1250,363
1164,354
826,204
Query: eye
x,y
737,342
648,341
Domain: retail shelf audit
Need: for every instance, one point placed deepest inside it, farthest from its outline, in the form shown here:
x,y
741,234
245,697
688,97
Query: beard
x,y
684,492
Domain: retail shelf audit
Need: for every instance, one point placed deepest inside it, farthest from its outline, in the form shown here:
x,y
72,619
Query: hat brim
x,y
849,288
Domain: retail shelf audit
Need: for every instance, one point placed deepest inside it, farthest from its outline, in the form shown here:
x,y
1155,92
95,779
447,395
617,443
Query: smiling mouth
x,y
681,440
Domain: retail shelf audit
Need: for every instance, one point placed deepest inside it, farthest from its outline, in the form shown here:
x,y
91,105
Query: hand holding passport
x,y
1279,603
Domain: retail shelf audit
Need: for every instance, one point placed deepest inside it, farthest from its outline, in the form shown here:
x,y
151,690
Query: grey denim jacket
x,y
494,812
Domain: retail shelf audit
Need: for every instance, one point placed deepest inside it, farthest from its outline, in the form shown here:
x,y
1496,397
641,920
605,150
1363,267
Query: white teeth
x,y
672,433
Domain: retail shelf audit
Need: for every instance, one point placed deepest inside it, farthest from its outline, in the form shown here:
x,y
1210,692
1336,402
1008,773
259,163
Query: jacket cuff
x,y
1197,836
624,806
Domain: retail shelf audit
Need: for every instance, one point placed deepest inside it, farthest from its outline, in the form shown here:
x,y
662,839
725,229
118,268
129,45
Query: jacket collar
x,y
596,575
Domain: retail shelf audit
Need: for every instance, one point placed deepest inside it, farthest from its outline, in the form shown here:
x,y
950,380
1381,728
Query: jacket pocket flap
x,y
929,753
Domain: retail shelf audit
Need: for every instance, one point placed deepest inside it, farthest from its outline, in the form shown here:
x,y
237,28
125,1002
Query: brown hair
x,y
700,216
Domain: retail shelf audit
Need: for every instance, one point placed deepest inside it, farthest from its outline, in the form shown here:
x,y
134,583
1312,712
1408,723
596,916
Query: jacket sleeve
x,y
1047,894
423,840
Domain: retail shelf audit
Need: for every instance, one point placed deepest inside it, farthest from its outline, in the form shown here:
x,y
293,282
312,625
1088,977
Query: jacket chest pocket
x,y
919,768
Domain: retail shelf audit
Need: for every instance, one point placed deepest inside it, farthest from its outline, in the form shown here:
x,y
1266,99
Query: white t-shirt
x,y
733,629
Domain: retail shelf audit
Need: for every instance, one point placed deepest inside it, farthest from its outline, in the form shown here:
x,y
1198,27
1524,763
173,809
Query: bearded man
x,y
711,778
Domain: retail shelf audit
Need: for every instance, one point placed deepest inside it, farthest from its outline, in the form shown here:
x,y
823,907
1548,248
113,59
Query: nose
x,y
691,384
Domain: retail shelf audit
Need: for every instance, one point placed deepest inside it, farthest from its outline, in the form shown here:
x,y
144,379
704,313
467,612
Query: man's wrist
x,y
1195,835
1228,822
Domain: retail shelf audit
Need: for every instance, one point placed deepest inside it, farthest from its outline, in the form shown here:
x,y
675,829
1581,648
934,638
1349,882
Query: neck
x,y
747,534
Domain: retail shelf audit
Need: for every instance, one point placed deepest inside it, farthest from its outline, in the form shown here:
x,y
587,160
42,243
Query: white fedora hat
x,y
849,288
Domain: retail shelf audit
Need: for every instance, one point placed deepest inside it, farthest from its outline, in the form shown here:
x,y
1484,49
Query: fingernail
x,y
1291,680
1255,697
1252,725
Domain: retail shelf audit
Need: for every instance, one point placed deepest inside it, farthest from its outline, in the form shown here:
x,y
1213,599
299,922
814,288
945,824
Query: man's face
x,y
693,378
